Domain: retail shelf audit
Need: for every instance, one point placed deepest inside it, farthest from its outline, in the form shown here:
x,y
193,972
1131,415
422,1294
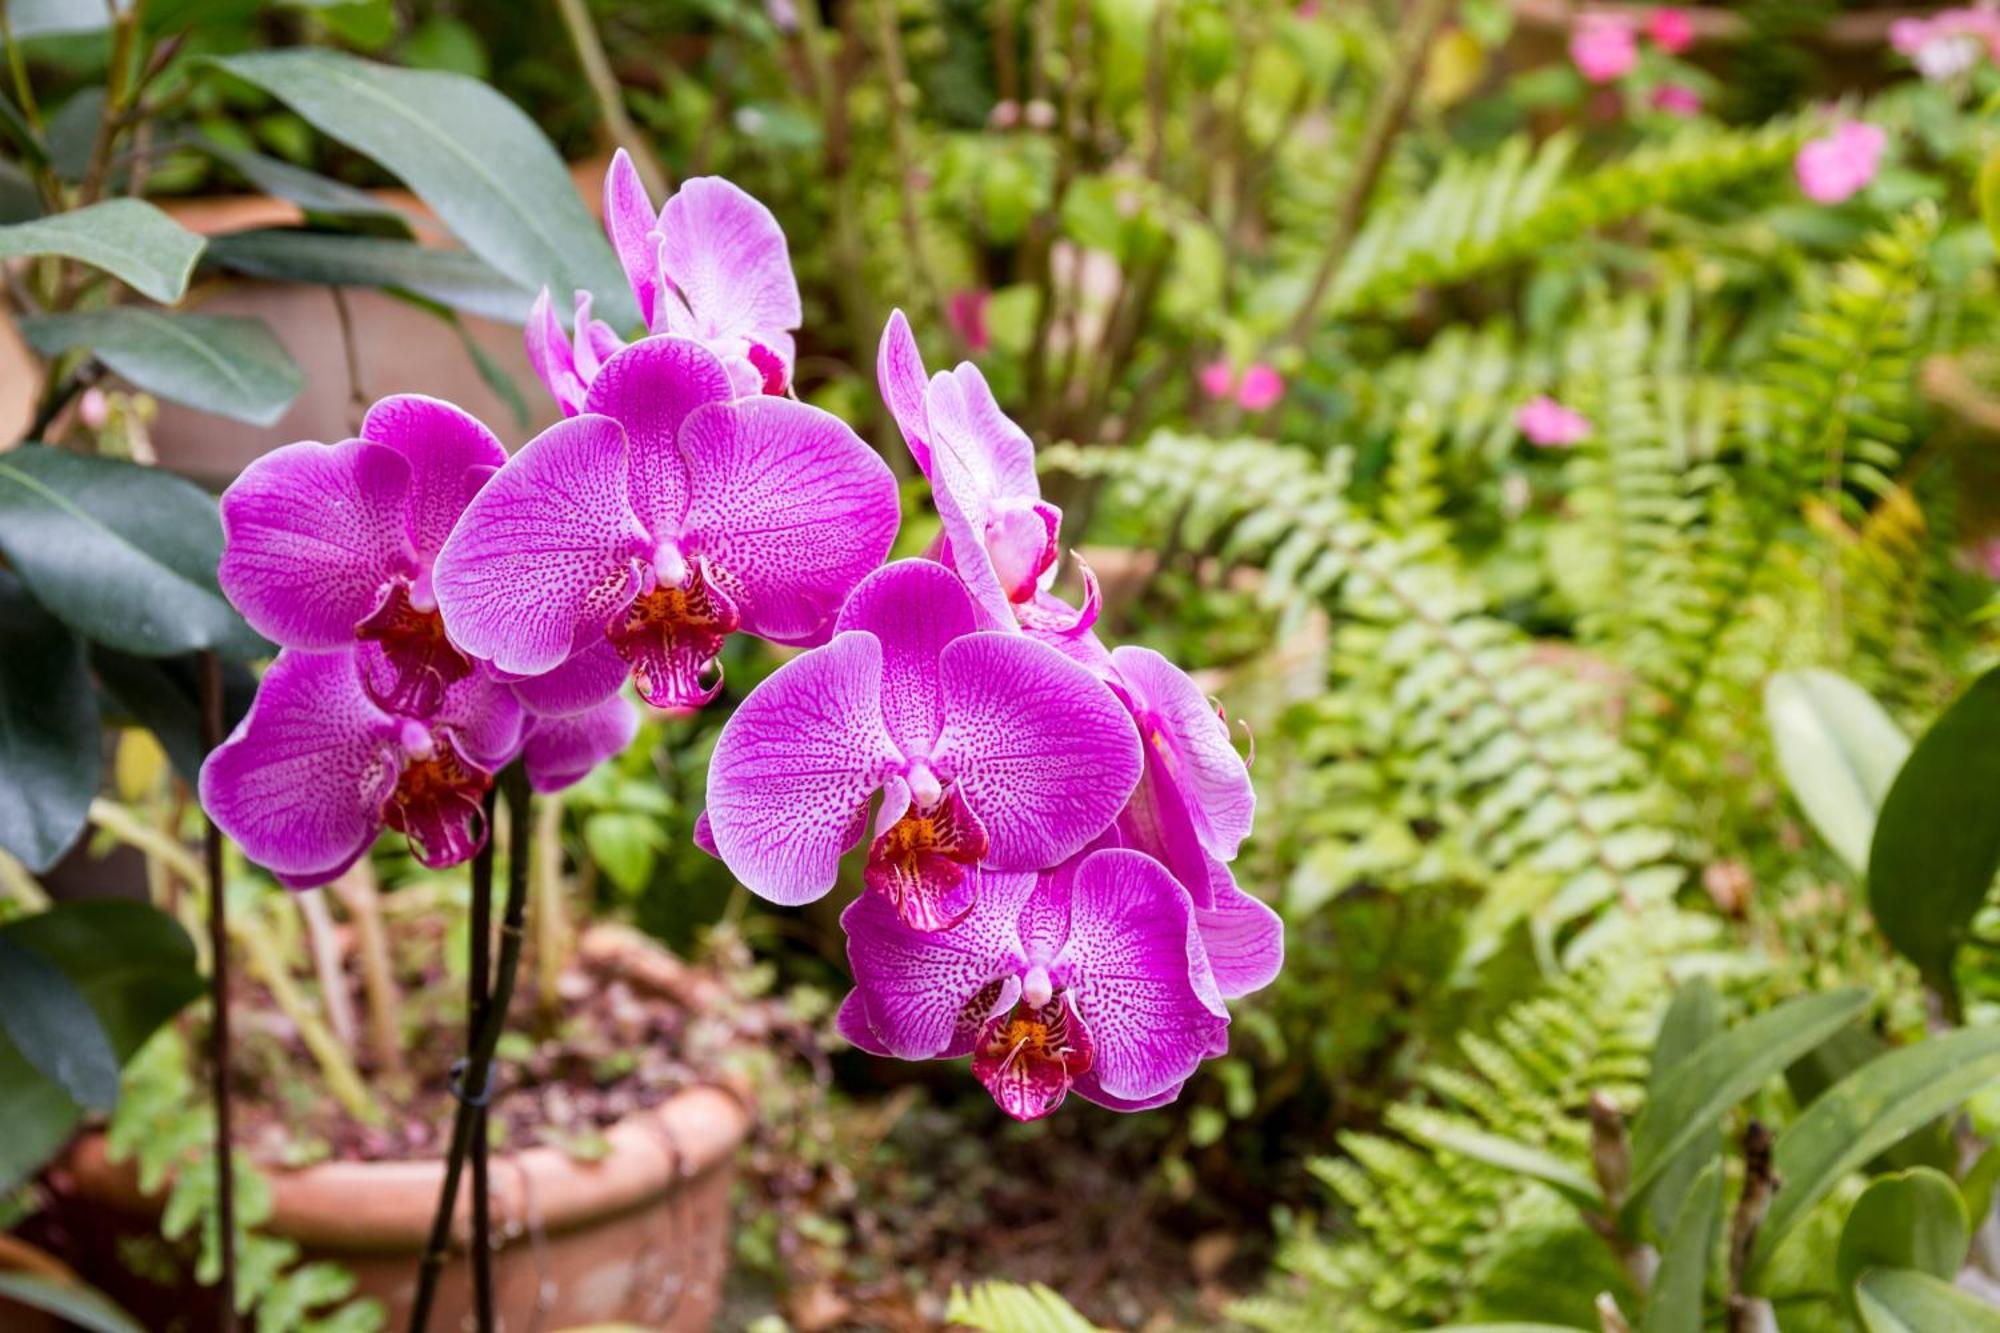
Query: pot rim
x,y
386,1206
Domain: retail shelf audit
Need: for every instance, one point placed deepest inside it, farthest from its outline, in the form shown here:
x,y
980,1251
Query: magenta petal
x,y
1042,750
561,750
301,781
790,506
789,783
914,608
726,254
582,683
1180,722
852,1023
899,374
1089,1087
546,553
650,388
484,718
966,421
1243,937
1029,1057
451,455
1136,971
550,356
1156,821
916,983
312,536
1021,543
629,220
704,836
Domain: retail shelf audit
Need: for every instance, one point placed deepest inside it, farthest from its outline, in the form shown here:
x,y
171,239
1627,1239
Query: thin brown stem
x,y
324,947
218,992
889,33
589,47
478,1008
1748,1313
357,396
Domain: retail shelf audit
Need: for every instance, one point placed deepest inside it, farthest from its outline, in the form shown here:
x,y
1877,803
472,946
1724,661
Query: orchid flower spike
x,y
329,546
990,748
317,768
1090,975
999,534
635,538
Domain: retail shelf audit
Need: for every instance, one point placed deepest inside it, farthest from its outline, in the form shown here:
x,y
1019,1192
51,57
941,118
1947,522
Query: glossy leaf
x,y
1693,1016
52,1026
1914,1219
45,18
449,277
1511,1155
468,152
308,189
1726,1069
163,695
135,967
225,364
1674,1303
49,757
1896,1300
121,553
1878,1105
127,238
85,1307
1839,752
1937,843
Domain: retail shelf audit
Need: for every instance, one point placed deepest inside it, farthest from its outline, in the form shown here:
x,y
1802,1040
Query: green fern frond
x,y
1009,1307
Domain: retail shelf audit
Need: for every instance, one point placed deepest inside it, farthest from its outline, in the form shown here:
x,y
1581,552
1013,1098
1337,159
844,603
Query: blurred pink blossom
x,y
1671,30
1835,167
1677,99
1986,558
1549,424
966,313
1949,42
1218,378
94,408
1603,48
1261,388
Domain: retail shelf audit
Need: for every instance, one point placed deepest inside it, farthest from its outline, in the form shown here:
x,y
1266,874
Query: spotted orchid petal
x,y
590,676
900,375
631,224
451,455
1243,938
650,389
726,256
914,608
552,356
921,860
1180,724
559,751
1156,821
1030,1057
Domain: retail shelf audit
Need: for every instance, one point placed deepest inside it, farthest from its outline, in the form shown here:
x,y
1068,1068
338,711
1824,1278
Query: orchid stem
x,y
218,1026
478,1007
468,1128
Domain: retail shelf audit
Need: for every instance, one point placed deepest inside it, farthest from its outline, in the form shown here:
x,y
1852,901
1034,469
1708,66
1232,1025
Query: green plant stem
x,y
890,34
218,991
478,1008
589,47
479,1058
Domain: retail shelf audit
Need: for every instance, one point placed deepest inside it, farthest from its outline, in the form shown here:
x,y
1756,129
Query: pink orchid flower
x,y
1836,167
1604,49
1672,30
1948,43
1677,99
1549,424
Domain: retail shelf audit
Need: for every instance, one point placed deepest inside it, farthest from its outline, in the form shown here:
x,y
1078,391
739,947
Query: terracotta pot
x,y
640,1236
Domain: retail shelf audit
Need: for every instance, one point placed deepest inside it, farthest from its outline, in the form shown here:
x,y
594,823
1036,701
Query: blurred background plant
x,y
1558,705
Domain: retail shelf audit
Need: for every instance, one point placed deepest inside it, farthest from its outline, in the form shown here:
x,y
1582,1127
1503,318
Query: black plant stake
x,y
218,989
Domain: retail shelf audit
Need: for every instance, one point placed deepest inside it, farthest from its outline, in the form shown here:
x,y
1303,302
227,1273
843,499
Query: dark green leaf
x,y
53,1028
1877,1105
450,277
465,150
1937,843
49,757
1727,1068
163,695
308,189
225,364
1894,1300
1454,1136
1694,1016
83,1306
1914,1220
1839,752
1840,1055
1674,1303
71,133
135,967
127,238
123,554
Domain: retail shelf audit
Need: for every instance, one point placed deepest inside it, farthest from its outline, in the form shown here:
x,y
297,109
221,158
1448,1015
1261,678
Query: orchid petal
x,y
727,255
914,608
966,421
1243,938
629,220
451,455
793,769
561,750
1028,1059
312,536
649,389
852,1023
1089,1087
301,781
791,506
899,374
485,717
1135,970
1042,750
1156,821
551,357
580,684
1183,726
546,553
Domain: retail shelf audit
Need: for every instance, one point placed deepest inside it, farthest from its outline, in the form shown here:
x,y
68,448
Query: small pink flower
x,y
1987,558
1549,424
1671,30
966,313
1218,379
1837,166
94,409
1949,42
1261,387
1603,48
1677,99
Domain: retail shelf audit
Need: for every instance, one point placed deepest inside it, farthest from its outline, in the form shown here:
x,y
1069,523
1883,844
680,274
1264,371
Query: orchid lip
x,y
925,789
669,564
1036,988
414,739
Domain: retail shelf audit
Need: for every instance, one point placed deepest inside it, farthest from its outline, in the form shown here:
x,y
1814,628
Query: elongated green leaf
x,y
121,553
1507,1154
1914,1219
52,1026
1693,1016
308,189
1872,1108
127,238
85,1307
1008,1307
1895,1300
48,729
134,965
449,277
225,364
46,18
1726,1069
1839,751
163,695
465,150
1674,1303
1937,843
